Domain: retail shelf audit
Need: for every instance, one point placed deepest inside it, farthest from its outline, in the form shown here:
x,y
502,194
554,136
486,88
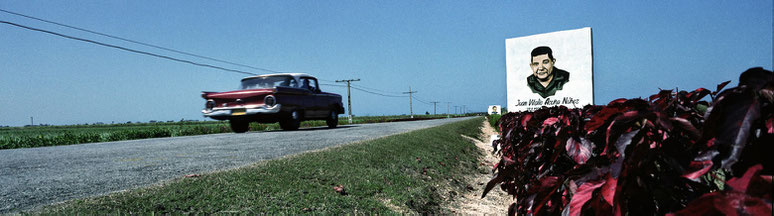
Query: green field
x,y
409,173
39,136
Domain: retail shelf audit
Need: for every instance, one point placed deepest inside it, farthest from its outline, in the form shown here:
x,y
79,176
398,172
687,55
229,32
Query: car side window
x,y
292,82
313,85
309,83
304,83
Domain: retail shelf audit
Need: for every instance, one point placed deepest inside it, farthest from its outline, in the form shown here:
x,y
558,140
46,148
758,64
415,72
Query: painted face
x,y
542,66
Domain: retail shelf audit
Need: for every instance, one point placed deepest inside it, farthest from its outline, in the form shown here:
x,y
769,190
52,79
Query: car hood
x,y
237,94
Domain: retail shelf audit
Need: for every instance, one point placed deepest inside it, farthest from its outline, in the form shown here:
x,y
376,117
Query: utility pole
x,y
464,109
411,102
455,110
434,103
447,109
349,98
32,123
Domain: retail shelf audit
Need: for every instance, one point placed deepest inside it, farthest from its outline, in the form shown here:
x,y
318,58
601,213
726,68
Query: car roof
x,y
295,75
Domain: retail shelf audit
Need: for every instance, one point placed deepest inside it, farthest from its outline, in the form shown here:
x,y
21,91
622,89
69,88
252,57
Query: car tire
x,y
333,120
239,126
292,121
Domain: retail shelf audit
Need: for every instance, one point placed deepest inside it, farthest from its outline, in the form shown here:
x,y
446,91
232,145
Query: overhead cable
x,y
378,93
375,93
373,89
421,101
138,42
127,49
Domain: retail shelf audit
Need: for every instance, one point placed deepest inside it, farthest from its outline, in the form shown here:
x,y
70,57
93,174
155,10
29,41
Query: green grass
x,y
494,121
30,137
407,171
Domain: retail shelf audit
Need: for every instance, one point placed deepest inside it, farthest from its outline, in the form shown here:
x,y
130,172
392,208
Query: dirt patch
x,y
469,202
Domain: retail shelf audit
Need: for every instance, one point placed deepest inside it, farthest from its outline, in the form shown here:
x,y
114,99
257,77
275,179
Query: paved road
x,y
40,176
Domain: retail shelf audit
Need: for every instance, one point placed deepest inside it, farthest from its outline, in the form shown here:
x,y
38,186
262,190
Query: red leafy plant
x,y
669,153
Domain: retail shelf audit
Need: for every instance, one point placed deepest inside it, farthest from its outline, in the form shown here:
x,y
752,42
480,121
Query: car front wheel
x,y
239,126
292,122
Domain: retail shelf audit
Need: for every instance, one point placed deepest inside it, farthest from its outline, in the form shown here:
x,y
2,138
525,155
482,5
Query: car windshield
x,y
268,82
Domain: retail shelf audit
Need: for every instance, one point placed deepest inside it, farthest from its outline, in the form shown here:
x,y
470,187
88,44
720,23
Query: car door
x,y
312,100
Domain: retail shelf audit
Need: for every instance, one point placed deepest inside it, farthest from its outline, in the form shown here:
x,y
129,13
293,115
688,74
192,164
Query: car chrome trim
x,y
249,110
274,100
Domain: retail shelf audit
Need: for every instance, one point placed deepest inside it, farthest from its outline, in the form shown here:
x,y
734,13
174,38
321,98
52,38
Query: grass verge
x,y
404,173
494,121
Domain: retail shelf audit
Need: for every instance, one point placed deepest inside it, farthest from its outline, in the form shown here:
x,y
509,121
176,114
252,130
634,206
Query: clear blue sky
x,y
448,51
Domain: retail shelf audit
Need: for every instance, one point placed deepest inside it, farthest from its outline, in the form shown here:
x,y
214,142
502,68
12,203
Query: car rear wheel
x,y
239,126
333,120
292,122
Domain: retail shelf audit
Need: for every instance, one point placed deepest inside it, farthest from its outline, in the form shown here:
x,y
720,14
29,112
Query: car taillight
x,y
210,104
270,100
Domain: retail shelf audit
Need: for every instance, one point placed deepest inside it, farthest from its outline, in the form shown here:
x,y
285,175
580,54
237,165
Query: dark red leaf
x,y
601,117
620,146
620,125
624,140
740,184
770,125
512,209
549,181
526,119
550,121
579,150
686,126
761,186
608,190
726,203
721,86
499,177
617,101
697,169
698,94
583,195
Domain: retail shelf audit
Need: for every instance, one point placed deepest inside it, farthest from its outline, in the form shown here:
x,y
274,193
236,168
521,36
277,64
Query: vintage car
x,y
287,98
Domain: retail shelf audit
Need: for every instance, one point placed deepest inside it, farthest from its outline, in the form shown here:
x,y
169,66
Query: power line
x,y
363,90
138,42
127,49
332,85
363,87
378,93
325,80
373,89
421,100
425,102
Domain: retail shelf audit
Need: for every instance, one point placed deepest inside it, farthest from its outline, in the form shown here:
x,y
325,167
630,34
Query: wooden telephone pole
x,y
349,98
411,103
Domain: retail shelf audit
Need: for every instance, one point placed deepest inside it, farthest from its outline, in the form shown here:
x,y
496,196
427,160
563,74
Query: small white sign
x,y
494,110
550,69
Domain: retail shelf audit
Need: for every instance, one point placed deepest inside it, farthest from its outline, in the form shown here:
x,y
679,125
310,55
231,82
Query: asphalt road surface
x,y
39,176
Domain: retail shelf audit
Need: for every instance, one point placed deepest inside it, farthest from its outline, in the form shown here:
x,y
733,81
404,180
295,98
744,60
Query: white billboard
x,y
549,69
494,110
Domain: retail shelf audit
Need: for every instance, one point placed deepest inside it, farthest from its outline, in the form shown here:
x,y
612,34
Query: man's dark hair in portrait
x,y
545,79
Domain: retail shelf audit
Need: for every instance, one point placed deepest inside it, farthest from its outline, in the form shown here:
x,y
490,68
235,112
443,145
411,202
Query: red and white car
x,y
287,98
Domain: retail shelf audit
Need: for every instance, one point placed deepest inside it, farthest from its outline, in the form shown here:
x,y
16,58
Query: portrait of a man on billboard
x,y
546,79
